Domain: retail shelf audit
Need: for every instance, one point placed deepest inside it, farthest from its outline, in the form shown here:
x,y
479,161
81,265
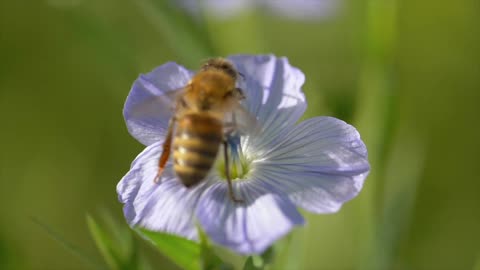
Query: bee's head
x,y
220,64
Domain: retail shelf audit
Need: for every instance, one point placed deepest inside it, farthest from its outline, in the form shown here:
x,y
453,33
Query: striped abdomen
x,y
195,147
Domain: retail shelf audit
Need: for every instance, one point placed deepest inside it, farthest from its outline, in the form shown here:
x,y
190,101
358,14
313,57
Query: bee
x,y
205,112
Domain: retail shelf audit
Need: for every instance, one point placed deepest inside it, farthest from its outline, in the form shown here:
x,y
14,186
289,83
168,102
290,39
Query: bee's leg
x,y
230,127
166,150
227,173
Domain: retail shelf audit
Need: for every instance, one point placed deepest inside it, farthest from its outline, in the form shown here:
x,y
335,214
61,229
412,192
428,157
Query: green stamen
x,y
239,168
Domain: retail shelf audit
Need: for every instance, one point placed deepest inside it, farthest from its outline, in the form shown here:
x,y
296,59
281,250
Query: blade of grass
x,y
403,173
104,244
116,243
81,254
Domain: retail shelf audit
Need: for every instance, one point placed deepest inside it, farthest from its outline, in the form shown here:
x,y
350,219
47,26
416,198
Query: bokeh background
x,y
405,73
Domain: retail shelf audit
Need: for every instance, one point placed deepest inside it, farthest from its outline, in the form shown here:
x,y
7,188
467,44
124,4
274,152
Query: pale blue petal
x,y
273,94
221,9
249,227
224,8
167,206
303,9
148,108
314,191
322,164
294,9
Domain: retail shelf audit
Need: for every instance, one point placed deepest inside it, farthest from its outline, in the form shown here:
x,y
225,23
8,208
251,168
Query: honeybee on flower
x,y
317,164
206,113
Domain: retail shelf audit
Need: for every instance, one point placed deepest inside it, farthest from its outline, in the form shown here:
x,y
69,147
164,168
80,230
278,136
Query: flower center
x,y
239,165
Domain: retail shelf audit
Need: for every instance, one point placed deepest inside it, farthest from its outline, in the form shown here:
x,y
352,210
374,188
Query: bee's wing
x,y
242,121
157,106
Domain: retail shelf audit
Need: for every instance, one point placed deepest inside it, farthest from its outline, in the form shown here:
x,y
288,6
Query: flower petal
x,y
251,226
166,207
303,9
148,106
273,93
316,192
322,164
221,9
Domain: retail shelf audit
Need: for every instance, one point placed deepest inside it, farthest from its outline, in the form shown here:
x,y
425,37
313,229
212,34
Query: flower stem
x,y
375,115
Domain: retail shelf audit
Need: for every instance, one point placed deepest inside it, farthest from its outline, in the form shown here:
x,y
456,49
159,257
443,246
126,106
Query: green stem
x,y
375,114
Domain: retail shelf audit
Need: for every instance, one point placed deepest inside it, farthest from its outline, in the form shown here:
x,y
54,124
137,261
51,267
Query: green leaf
x,y
183,252
75,250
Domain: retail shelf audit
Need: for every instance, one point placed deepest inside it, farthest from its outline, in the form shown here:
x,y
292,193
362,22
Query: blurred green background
x,y
405,73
